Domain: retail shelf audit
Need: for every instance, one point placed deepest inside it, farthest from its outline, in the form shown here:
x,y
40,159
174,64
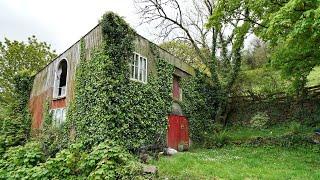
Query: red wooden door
x,y
178,132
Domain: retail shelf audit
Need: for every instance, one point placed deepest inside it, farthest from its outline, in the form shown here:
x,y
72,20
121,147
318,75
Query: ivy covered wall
x,y
107,105
199,105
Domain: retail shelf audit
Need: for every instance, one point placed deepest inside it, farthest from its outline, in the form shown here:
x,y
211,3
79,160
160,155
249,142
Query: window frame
x,y
139,67
55,85
63,118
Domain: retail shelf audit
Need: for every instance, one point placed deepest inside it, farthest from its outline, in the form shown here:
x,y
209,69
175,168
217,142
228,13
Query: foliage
x,y
257,55
108,105
105,161
295,127
199,105
215,140
18,63
261,81
291,28
181,49
259,120
217,46
20,56
51,136
26,156
298,42
15,127
184,51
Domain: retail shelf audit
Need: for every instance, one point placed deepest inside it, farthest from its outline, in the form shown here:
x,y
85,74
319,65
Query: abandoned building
x,y
55,82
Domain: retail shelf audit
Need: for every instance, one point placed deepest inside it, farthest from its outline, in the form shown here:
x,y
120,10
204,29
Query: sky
x,y
61,22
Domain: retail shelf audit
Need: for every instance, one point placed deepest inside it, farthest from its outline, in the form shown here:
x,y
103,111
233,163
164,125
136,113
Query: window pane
x,y
140,75
136,72
58,116
136,60
64,115
145,64
143,76
132,60
53,116
145,70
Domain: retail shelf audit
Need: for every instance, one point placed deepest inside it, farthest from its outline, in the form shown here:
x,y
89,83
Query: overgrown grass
x,y
245,161
242,163
242,133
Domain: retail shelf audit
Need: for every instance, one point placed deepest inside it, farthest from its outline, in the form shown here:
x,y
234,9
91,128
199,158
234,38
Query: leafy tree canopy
x,y
18,56
292,27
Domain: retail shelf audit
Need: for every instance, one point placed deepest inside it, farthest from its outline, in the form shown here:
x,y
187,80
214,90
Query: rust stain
x,y
36,106
58,103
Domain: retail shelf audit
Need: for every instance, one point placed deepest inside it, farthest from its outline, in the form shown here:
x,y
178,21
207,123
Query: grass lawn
x,y
313,78
242,163
241,133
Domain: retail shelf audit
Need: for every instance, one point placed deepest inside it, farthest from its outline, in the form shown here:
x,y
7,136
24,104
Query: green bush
x,y
109,161
15,123
105,161
51,137
2,144
216,140
18,157
259,120
295,127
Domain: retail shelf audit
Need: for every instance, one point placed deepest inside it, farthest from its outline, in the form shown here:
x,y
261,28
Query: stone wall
x,y
279,110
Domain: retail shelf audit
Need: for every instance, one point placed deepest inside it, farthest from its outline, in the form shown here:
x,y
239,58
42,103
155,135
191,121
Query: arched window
x,y
61,79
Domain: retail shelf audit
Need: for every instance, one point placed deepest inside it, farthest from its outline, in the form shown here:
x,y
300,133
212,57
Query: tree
x,y
19,61
257,55
292,28
185,52
217,44
294,31
18,56
181,49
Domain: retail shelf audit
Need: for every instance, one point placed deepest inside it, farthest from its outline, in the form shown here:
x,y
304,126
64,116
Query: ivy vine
x,y
107,105
199,105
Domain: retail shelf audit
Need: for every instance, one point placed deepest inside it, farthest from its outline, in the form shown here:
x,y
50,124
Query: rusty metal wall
x,y
42,90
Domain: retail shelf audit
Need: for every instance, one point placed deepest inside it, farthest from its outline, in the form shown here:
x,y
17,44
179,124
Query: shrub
x,y
18,157
295,127
105,161
51,137
216,140
109,161
259,120
2,144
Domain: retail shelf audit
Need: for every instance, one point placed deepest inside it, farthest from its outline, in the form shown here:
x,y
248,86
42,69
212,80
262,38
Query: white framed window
x,y
58,116
138,68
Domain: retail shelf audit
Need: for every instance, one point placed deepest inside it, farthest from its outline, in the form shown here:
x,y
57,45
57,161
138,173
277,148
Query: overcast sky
x,y
61,22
